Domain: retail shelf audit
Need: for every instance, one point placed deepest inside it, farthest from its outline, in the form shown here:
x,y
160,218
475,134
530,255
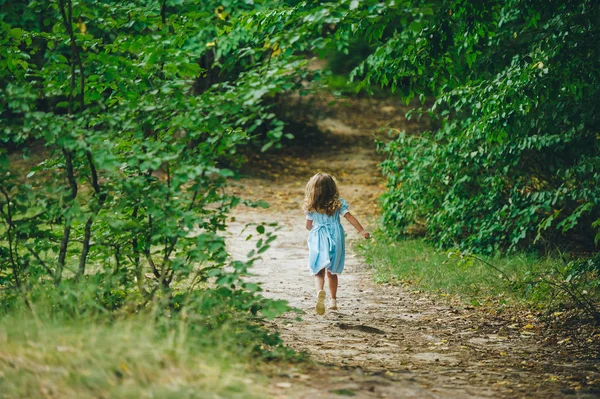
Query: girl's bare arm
x,y
308,224
354,222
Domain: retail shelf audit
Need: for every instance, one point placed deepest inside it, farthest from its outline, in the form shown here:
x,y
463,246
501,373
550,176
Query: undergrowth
x,y
131,358
201,345
546,283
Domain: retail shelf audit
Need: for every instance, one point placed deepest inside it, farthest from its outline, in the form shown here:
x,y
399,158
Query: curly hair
x,y
321,195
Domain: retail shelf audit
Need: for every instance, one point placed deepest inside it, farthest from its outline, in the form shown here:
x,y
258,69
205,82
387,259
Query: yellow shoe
x,y
320,306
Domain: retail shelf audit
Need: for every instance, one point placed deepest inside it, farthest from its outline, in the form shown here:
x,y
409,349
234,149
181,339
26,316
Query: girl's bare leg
x,y
319,284
332,279
320,280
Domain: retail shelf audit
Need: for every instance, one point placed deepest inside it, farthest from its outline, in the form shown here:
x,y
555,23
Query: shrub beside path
x,y
385,341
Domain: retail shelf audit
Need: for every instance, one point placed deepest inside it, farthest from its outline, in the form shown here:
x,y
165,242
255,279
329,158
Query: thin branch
x,y
13,252
69,27
589,309
136,252
64,242
66,11
40,260
88,225
94,176
163,12
70,172
152,264
67,15
493,267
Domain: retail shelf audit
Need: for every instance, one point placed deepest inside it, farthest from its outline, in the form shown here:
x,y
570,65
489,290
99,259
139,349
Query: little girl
x,y
323,207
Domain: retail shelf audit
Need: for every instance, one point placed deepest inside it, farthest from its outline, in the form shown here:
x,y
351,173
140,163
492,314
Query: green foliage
x,y
512,161
515,160
343,62
121,123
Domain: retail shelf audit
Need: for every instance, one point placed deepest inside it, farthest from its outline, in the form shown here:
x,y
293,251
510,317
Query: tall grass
x,y
131,358
61,345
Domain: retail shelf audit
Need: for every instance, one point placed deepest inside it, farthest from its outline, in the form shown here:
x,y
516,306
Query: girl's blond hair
x,y
321,195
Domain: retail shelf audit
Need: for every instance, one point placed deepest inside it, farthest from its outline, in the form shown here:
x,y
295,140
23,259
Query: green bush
x,y
113,163
515,162
120,126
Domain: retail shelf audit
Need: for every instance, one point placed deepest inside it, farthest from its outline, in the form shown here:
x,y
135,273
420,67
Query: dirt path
x,y
385,341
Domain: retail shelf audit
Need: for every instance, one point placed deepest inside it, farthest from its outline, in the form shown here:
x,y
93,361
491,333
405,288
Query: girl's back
x,y
318,217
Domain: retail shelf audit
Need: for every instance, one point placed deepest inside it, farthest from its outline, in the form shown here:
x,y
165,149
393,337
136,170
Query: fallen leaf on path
x,y
528,327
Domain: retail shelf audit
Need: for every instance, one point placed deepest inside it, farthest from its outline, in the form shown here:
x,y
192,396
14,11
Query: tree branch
x,y
40,260
88,225
64,242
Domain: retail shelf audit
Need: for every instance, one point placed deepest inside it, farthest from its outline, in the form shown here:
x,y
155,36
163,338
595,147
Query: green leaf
x,y
16,33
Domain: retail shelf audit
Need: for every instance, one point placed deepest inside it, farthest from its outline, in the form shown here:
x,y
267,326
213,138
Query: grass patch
x,y
132,358
202,344
544,283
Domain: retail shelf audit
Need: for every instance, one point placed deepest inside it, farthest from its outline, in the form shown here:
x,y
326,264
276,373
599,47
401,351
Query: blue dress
x,y
326,241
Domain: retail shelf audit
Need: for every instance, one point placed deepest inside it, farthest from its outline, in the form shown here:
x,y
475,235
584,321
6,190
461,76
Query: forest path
x,y
385,341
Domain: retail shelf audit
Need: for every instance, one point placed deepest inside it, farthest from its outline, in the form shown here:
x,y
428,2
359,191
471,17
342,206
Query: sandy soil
x,y
385,341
